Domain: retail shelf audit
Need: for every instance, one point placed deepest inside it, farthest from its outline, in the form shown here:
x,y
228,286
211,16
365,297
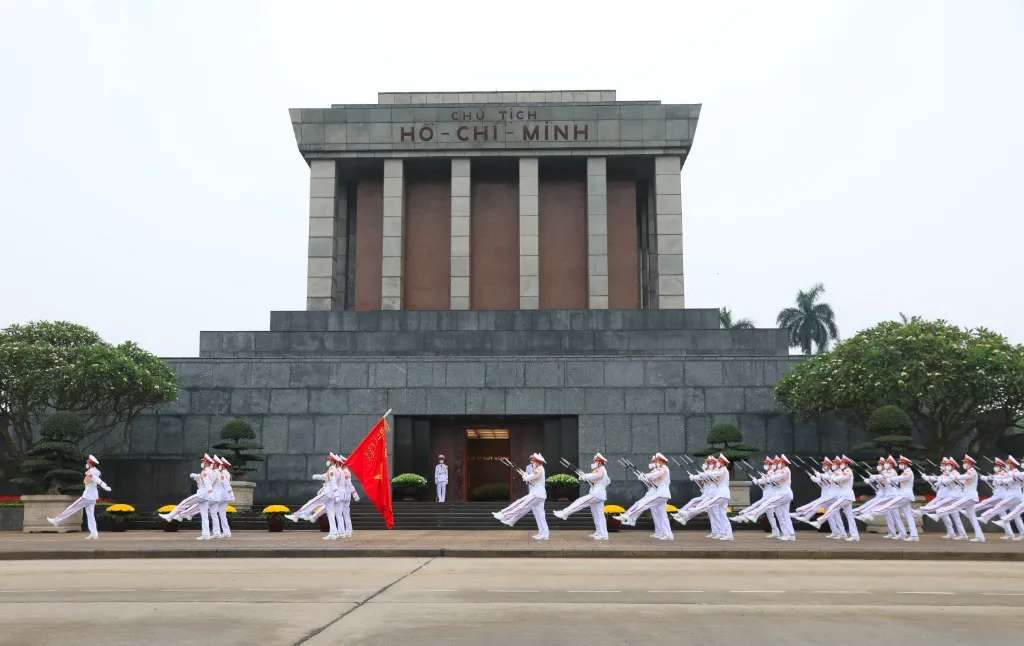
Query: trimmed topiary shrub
x,y
240,440
726,439
55,465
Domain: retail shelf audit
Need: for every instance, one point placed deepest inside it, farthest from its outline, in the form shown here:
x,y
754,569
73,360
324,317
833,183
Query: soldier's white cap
x,y
207,458
225,462
659,457
538,457
784,460
722,459
969,459
440,456
600,458
92,459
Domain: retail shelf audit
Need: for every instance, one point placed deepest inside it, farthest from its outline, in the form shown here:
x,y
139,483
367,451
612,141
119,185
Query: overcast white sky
x,y
150,186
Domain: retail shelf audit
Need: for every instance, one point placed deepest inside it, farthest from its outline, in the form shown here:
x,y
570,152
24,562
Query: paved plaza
x,y
508,601
497,543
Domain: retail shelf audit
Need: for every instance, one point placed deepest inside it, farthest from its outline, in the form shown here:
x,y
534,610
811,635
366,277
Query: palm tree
x,y
809,322
725,318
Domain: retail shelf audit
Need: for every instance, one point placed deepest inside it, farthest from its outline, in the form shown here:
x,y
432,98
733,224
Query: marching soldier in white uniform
x,y
532,501
225,495
345,493
658,481
87,500
714,484
200,502
318,504
944,484
967,499
441,477
595,498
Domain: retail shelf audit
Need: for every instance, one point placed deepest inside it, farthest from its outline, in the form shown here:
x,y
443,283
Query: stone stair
x,y
408,515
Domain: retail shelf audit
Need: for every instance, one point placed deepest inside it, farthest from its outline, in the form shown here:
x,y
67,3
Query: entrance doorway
x,y
486,477
473,447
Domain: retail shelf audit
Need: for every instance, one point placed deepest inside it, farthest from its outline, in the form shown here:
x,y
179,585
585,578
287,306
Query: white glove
x,y
355,496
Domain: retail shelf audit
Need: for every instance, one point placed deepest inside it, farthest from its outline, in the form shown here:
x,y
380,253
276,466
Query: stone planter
x,y
323,523
739,494
10,518
171,526
243,494
37,508
614,524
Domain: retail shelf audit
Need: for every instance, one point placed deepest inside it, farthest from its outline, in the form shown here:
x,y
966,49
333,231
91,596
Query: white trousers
x,y
718,516
204,516
89,505
441,487
187,508
339,516
966,506
309,510
834,516
222,514
538,516
596,511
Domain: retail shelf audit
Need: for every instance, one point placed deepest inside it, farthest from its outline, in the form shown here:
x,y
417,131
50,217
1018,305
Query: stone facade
x,y
313,394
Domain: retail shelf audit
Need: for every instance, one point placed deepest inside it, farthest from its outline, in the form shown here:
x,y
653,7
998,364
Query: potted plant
x,y
242,447
610,513
171,526
275,517
51,469
562,486
408,486
119,515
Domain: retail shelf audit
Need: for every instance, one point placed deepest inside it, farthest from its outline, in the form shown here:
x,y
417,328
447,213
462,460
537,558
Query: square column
x,y
323,289
460,240
669,210
391,258
597,233
529,239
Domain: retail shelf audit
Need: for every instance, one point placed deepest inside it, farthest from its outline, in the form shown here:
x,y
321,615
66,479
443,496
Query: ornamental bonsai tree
x,y
890,430
726,439
240,439
54,464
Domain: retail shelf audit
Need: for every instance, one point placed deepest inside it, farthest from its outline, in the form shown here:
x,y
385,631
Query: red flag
x,y
369,463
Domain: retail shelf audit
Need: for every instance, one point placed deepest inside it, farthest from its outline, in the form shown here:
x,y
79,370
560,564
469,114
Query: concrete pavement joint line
x,y
925,592
675,591
837,591
594,591
270,589
1003,594
360,604
757,591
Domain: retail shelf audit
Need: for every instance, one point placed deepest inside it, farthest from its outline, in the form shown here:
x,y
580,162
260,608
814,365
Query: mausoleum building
x,y
504,270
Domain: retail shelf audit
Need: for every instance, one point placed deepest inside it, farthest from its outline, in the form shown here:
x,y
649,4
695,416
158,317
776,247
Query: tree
x,y
54,464
56,365
947,379
891,431
810,322
727,440
725,318
241,442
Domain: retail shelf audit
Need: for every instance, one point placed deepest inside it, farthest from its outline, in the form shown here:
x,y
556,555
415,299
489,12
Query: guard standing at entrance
x,y
441,477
